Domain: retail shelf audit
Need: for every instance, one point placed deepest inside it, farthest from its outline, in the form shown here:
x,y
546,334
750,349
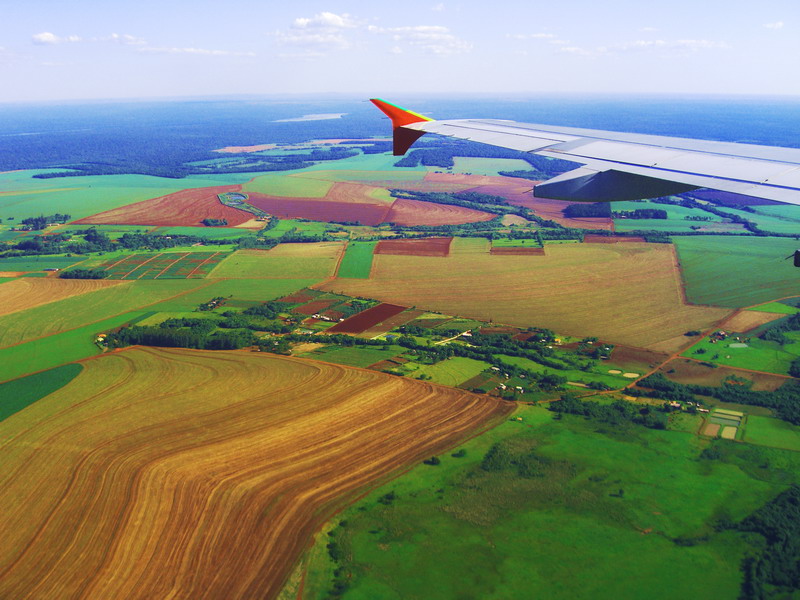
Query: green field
x,y
452,371
357,261
574,375
676,217
737,271
77,311
785,220
52,351
281,184
256,290
285,226
359,356
759,355
777,307
486,166
285,261
767,431
38,263
583,511
19,393
214,233
511,243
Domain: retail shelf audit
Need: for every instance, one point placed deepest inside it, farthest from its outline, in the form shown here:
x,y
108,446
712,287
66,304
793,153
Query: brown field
x,y
361,322
517,251
712,429
419,247
28,292
749,319
693,372
314,307
610,239
623,293
639,359
391,323
512,331
415,212
316,209
187,207
518,192
301,296
171,473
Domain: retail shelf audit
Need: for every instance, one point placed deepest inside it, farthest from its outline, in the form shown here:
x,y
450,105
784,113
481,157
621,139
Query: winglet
x,y
403,138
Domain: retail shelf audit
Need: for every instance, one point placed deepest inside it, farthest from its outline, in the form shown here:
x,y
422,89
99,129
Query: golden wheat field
x,y
172,473
623,293
34,291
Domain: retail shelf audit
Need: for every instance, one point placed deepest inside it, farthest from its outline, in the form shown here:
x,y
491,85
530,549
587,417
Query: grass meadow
x,y
357,261
285,261
768,431
758,355
737,271
359,356
595,513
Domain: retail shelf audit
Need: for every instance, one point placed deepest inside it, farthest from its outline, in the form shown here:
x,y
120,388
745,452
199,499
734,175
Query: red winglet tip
x,y
399,116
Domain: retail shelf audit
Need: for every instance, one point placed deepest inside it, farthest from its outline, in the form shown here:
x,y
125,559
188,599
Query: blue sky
x,y
92,49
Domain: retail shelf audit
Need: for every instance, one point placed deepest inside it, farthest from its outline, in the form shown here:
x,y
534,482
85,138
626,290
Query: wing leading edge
x,y
621,166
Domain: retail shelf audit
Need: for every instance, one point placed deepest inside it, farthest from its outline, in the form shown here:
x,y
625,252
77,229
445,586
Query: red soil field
x,y
392,322
313,308
517,251
320,210
187,207
362,321
499,331
415,212
301,296
422,247
610,239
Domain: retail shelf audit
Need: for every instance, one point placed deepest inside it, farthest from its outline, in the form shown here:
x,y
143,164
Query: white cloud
x,y
199,51
775,25
531,36
438,7
432,39
325,20
648,29
125,39
662,46
50,39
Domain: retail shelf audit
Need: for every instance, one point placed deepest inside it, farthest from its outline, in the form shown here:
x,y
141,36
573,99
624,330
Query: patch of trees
x,y
774,571
215,222
43,221
83,274
583,210
784,402
195,335
482,202
642,213
617,413
775,332
268,310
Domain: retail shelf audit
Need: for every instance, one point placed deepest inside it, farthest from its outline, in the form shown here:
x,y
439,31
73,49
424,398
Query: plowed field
x,y
186,474
372,213
610,239
415,212
28,292
517,251
623,293
421,247
371,317
187,207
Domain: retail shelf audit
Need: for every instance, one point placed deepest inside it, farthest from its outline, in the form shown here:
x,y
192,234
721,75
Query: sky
x,y
51,50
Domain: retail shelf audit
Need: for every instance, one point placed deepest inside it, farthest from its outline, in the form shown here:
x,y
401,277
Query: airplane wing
x,y
621,166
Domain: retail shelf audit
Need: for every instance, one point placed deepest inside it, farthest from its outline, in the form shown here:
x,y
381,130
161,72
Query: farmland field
x,y
597,505
19,393
756,354
285,261
92,304
38,263
174,464
415,247
622,293
733,271
164,265
767,431
776,307
357,261
453,371
185,207
25,293
367,319
353,357
696,373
